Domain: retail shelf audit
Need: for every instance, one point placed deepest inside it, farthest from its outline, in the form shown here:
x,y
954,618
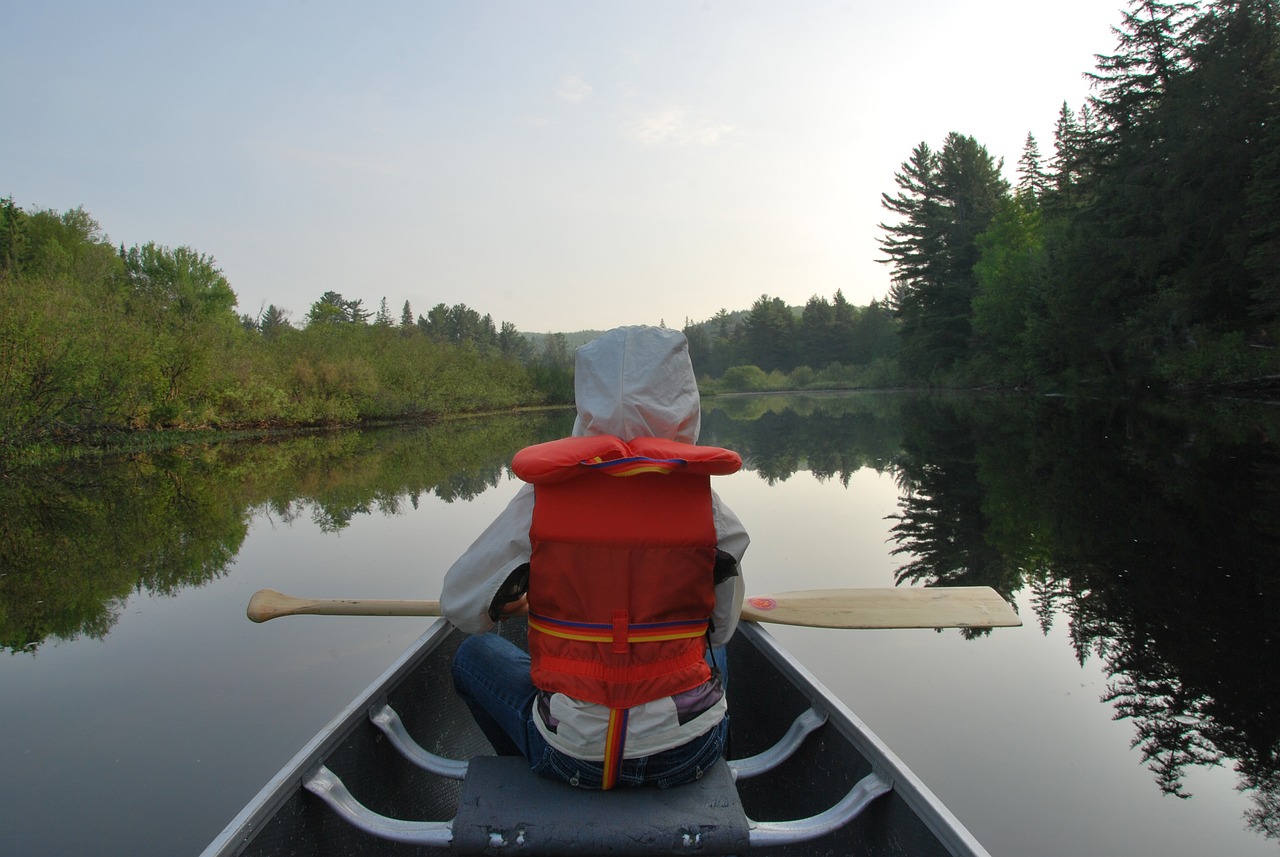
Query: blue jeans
x,y
491,675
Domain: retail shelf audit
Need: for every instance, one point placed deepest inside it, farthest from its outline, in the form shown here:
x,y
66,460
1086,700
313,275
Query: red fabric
x,y
620,553
558,460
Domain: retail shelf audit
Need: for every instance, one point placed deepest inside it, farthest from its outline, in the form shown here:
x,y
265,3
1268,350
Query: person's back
x,y
631,570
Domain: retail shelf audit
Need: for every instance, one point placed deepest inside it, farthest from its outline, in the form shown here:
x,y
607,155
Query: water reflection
x,y
77,540
1151,532
830,436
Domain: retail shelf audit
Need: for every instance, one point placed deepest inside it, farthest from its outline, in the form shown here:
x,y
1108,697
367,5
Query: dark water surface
x,y
1136,712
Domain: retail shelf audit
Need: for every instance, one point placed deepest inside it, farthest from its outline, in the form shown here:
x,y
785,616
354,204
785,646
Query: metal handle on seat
x,y
760,763
867,789
386,719
326,785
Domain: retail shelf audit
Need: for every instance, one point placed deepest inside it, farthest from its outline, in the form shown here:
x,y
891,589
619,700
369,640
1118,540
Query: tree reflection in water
x,y
78,539
1151,530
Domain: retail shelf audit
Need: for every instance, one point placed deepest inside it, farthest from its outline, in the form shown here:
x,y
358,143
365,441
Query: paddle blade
x,y
928,607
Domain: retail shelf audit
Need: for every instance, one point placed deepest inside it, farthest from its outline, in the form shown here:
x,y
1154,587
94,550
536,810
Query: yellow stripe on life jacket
x,y
585,633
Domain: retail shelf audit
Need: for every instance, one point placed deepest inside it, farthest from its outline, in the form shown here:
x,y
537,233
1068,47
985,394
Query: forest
x,y
1142,254
98,340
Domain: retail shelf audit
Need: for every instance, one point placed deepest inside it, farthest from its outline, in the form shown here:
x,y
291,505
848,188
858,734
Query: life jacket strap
x,y
618,633
614,747
599,672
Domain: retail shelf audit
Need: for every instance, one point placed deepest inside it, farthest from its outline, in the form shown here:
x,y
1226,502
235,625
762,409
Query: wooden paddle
x,y
929,607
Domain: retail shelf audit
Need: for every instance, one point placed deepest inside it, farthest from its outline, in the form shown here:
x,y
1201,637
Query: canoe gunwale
x,y
885,766
291,777
909,787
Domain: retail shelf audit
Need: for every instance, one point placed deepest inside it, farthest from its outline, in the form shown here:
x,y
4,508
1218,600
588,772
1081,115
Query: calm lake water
x,y
1136,712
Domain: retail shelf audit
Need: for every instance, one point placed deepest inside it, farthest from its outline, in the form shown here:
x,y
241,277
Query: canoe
x,y
403,770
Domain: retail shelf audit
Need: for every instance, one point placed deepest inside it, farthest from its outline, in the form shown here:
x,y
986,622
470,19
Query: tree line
x,y
773,346
1144,251
97,338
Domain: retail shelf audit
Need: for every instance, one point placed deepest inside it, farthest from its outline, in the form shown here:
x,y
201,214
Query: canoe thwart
x,y
325,784
506,806
385,718
867,789
306,808
809,720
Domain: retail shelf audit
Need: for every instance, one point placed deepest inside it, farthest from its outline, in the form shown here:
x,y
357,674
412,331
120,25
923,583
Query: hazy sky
x,y
558,165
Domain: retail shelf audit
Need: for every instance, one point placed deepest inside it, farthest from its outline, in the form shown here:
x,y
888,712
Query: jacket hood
x,y
637,382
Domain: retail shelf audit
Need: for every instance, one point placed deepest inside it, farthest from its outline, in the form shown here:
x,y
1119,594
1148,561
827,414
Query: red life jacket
x,y
620,582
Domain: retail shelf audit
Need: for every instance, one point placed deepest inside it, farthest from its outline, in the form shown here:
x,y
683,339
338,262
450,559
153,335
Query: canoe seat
x,y
506,808
504,804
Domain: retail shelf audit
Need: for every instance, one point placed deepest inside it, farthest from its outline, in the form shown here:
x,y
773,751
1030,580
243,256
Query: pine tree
x,y
1149,55
1033,181
383,318
945,201
909,243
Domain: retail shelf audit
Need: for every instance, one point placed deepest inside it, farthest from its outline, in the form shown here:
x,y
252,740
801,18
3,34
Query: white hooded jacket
x,y
630,382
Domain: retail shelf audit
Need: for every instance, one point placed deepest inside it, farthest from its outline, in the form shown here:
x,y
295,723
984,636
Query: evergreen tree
x,y
945,202
1033,181
512,344
383,318
436,323
1149,55
816,335
699,346
769,335
846,321
333,308
13,237
911,241
873,335
1262,213
555,352
1008,278
1216,119
272,321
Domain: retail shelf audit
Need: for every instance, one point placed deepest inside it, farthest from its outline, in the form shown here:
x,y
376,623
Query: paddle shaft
x,y
267,604
929,607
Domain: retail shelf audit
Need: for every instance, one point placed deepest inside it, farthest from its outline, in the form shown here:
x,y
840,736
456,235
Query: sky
x,y
557,165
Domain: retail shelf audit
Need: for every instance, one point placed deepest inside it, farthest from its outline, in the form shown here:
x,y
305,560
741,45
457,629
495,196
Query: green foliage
x,y
97,340
831,436
334,309
1144,252
770,333
76,541
1008,274
13,236
945,201
878,374
784,343
745,379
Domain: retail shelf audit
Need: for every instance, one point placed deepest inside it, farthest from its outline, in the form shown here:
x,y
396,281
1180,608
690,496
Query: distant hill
x,y
573,340
582,337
